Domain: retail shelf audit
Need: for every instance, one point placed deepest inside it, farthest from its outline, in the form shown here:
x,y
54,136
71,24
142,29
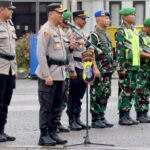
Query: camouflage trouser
x,y
127,90
142,91
99,93
65,96
66,93
149,82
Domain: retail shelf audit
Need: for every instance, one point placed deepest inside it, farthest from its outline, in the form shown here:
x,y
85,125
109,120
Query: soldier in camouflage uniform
x,y
100,90
128,63
142,105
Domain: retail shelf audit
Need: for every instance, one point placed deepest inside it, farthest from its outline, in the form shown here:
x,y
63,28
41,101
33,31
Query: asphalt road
x,y
23,123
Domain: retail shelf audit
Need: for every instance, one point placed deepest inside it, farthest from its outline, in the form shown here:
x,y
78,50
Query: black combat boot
x,y
60,127
141,118
73,124
45,139
79,122
55,137
134,122
107,124
97,122
4,136
145,112
123,120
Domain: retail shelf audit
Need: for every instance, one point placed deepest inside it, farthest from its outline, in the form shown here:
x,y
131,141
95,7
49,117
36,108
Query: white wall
x,y
91,6
127,3
147,9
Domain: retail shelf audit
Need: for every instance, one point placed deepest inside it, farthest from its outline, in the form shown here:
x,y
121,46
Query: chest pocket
x,y
57,43
3,34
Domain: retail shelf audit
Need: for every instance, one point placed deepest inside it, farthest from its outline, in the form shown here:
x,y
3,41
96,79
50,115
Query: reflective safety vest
x,y
132,51
146,46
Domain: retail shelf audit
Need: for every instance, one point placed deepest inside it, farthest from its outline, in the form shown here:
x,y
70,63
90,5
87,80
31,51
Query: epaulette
x,y
10,22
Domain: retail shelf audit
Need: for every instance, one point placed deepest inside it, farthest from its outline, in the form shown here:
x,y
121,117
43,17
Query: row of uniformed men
x,y
133,79
51,53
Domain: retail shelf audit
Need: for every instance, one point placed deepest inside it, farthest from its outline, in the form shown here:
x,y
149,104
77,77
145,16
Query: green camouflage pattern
x,y
99,93
127,90
101,87
143,90
65,94
104,60
128,84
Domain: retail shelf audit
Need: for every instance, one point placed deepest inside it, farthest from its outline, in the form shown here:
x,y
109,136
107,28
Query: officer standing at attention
x,y
128,64
100,89
51,53
77,85
142,106
8,66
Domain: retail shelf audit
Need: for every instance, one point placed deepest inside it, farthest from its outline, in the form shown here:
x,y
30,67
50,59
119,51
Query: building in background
x,y
24,16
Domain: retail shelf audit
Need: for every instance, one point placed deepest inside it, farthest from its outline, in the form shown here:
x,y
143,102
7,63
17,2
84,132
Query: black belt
x,y
51,61
78,59
8,57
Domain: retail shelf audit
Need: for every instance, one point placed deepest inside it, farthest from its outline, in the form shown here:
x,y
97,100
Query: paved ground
x,y
23,123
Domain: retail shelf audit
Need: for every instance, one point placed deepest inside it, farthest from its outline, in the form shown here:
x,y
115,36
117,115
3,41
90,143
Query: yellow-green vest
x,y
146,46
132,52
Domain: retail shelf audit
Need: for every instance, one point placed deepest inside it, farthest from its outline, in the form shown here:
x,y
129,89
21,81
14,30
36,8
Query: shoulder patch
x,y
46,33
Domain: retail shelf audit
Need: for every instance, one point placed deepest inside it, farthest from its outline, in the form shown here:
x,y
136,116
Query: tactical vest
x,y
132,53
146,46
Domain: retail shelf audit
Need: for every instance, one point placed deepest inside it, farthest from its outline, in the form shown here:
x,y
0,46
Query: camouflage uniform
x,y
143,91
101,87
127,83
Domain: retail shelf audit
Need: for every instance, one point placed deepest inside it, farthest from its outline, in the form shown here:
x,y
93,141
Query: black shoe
x,y
134,122
146,116
142,119
124,118
61,128
79,122
9,138
98,124
107,124
58,140
57,130
46,141
125,121
74,126
2,138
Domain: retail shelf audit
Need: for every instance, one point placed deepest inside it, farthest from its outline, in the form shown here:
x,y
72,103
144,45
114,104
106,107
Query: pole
x,y
37,16
65,4
74,5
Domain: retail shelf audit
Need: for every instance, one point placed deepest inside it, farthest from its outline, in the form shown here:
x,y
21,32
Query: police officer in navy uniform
x,y
77,85
8,66
51,53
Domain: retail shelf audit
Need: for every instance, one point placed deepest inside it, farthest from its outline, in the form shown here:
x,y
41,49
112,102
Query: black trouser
x,y
50,98
76,92
7,84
